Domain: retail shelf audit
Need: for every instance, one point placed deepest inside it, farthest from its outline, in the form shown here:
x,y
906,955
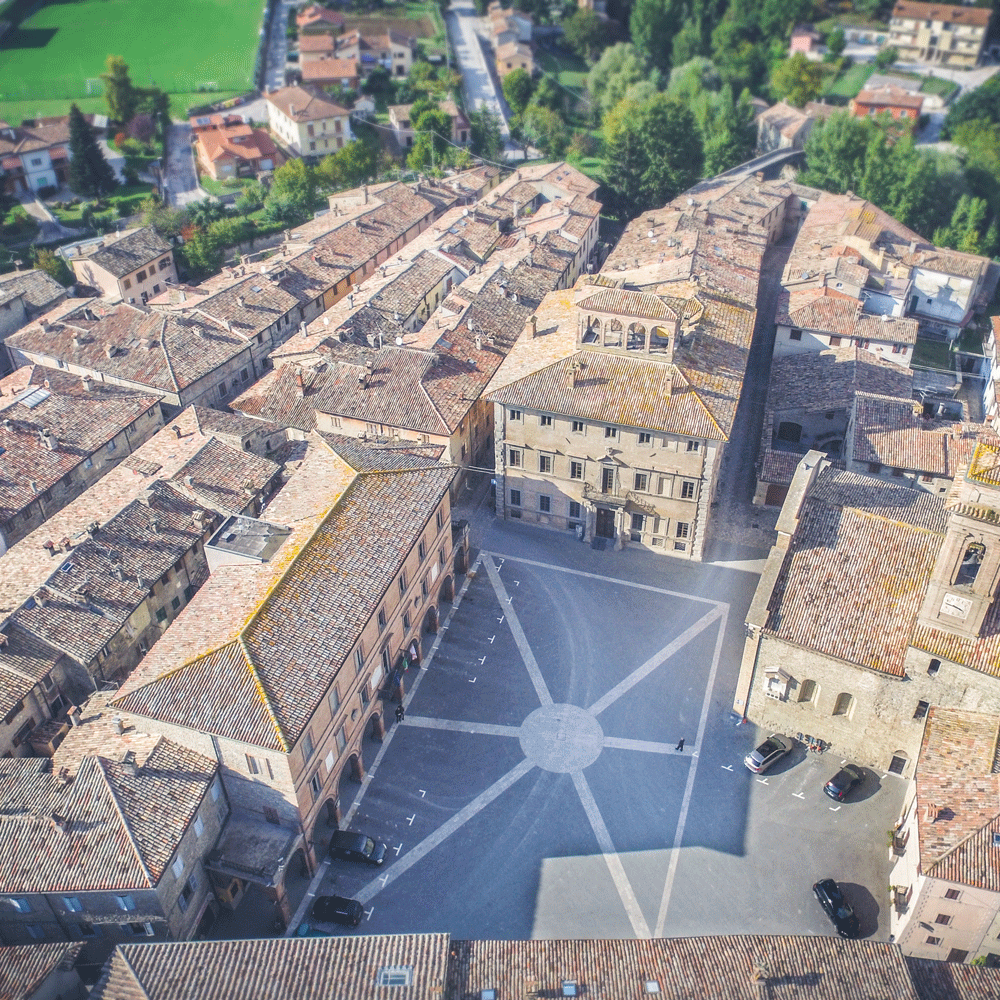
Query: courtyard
x,y
538,788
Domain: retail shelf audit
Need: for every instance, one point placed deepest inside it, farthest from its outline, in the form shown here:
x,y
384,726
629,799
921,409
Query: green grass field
x,y
851,81
184,47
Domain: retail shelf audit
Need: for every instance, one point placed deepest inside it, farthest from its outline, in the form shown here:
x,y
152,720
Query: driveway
x,y
277,47
181,179
480,88
538,786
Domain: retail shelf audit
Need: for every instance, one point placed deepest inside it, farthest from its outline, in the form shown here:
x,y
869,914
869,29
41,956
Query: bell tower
x,y
966,576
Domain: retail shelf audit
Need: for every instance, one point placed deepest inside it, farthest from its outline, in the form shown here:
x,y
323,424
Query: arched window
x,y
844,705
636,338
971,562
659,339
808,692
592,333
613,334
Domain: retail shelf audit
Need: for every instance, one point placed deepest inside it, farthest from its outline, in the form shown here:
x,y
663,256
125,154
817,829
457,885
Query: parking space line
x,y
477,728
530,663
300,913
614,863
675,853
656,659
477,805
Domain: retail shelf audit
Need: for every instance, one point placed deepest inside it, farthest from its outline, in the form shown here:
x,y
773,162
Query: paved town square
x,y
537,786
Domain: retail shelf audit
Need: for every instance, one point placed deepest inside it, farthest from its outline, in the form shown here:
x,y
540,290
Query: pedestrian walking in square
x,y
680,745
400,714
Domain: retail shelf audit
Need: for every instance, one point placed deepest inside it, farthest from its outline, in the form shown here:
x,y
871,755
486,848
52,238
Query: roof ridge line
x,y
166,353
125,823
264,696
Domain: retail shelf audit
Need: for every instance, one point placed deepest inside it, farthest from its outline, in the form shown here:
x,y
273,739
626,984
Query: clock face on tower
x,y
957,607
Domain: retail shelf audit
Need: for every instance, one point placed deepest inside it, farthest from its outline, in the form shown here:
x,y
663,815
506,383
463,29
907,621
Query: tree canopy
x,y
797,80
517,88
90,174
585,33
619,67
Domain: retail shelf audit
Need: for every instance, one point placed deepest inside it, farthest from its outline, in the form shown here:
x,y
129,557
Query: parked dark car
x,y
337,910
351,846
837,908
843,782
771,750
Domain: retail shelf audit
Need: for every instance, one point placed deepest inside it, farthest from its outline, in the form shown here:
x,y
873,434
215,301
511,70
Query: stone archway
x,y
330,815
461,560
636,337
448,589
431,620
375,727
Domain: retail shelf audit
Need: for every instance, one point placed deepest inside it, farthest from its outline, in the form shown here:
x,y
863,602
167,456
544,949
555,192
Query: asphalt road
x,y
536,787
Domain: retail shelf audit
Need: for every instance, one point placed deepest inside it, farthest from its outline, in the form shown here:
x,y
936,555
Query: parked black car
x,y
837,908
352,846
843,782
337,910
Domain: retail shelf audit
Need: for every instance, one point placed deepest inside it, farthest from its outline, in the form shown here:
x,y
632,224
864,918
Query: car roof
x,y
349,837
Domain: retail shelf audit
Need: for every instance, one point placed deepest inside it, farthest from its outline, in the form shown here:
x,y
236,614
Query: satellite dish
x,y
399,341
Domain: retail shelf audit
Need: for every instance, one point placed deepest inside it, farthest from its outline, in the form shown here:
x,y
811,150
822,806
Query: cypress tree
x,y
90,173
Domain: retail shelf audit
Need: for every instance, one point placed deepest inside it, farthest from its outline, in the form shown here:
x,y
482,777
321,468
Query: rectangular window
x,y
439,518
514,415
641,482
341,740
111,445
576,470
365,696
165,263
693,445
933,940
316,786
252,766
794,334
20,904
141,276
72,903
645,437
125,903
515,498
178,867
381,619
421,550
402,584
37,931
952,894
574,509
359,663
395,975
943,918
515,458
545,420
682,530
308,747
687,490
334,700
921,710
86,930
175,603
126,283
611,432
545,504
545,463
835,341
406,621
88,463
577,426
423,588
386,660
199,826
161,614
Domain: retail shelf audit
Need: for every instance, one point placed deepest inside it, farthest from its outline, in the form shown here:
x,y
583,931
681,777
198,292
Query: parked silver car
x,y
771,750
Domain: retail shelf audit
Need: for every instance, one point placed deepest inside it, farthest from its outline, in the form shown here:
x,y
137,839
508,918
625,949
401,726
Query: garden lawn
x,y
570,70
131,197
183,47
850,81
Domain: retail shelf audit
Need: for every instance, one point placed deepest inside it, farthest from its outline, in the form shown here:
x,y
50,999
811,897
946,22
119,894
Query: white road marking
x,y
797,795
655,660
644,746
478,728
675,853
472,680
726,767
409,821
399,846
614,863
763,781
501,618
369,912
446,829
530,663
423,792
834,809
482,660
492,639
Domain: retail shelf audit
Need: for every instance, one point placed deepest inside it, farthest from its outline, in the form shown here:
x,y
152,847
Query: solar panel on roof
x,y
32,397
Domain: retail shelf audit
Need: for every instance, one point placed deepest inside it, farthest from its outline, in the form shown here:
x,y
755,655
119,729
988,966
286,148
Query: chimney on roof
x,y
119,573
913,246
303,329
8,424
534,327
154,524
109,350
34,486
241,300
228,325
291,110
3,640
129,764
77,342
49,547
88,383
300,382
48,439
364,193
183,295
479,342
571,374
60,823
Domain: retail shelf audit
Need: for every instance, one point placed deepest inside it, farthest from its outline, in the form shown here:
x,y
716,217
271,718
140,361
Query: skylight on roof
x,y
395,975
32,397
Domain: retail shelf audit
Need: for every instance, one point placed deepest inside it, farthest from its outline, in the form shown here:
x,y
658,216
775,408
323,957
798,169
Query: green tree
x,y
544,129
653,24
886,57
348,167
688,43
431,140
167,221
797,80
517,88
778,17
202,253
729,132
119,91
619,67
296,181
585,33
979,104
549,94
653,151
836,41
89,173
835,152
487,139
285,208
203,213
251,199
54,266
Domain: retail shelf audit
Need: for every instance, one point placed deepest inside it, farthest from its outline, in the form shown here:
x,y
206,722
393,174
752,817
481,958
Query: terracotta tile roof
x,y
889,96
941,12
343,967
240,142
133,249
934,980
278,398
895,329
407,290
23,968
165,352
696,968
232,425
789,121
122,828
81,423
854,575
893,432
963,265
315,14
631,303
226,478
958,798
333,572
320,70
39,291
24,661
820,309
371,457
320,41
31,138
304,104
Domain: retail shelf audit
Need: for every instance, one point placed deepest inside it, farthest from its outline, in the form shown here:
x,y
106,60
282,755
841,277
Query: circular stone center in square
x,y
561,738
